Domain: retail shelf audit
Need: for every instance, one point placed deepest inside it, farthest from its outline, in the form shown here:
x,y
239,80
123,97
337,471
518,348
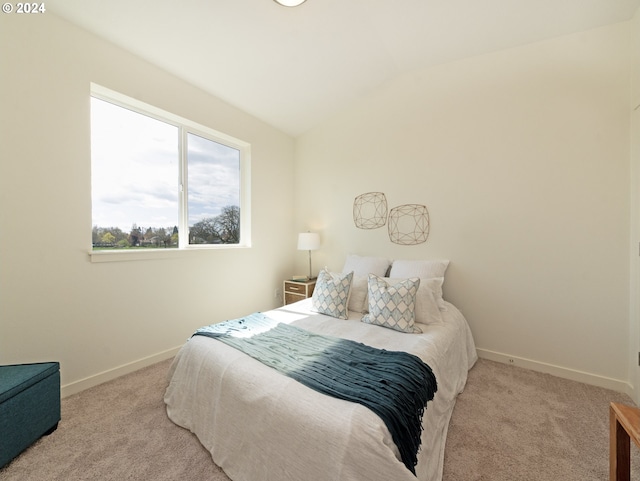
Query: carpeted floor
x,y
514,424
510,424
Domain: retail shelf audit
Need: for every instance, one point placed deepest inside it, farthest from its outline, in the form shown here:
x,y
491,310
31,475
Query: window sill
x,y
156,254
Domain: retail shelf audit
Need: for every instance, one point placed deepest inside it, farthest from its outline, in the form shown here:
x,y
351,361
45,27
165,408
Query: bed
x,y
259,424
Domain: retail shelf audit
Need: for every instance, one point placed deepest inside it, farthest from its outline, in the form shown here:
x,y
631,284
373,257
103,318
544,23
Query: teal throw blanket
x,y
394,385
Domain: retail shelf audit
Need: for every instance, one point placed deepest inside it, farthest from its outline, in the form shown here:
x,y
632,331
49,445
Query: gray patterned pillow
x,y
331,294
393,305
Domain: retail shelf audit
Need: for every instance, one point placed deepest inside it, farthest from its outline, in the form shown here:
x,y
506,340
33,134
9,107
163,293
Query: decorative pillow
x,y
363,266
358,294
428,300
331,294
392,306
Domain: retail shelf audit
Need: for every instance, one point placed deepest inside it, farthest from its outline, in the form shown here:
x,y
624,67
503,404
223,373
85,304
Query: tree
x,y
108,238
175,236
204,232
227,224
135,237
222,229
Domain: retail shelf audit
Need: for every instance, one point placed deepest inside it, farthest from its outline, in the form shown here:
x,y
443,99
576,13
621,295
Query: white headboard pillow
x,y
358,298
362,266
420,268
424,270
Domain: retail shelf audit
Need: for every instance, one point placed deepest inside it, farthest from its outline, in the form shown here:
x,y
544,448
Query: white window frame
x,y
185,127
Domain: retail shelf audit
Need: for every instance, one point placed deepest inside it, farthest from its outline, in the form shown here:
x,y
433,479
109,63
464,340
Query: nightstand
x,y
297,290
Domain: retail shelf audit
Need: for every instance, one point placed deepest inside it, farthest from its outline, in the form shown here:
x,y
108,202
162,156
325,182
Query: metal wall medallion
x,y
409,224
370,210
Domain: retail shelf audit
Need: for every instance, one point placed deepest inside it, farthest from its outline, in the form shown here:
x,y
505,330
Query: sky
x,y
135,167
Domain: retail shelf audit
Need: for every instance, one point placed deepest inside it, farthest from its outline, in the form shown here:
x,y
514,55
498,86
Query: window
x,y
159,181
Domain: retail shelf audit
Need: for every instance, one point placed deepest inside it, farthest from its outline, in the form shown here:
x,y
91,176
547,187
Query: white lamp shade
x,y
308,241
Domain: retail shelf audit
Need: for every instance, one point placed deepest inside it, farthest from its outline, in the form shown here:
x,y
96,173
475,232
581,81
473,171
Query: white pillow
x,y
358,294
422,269
331,294
363,266
392,305
427,306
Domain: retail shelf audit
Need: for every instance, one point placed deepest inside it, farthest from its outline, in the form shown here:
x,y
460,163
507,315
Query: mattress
x,y
259,424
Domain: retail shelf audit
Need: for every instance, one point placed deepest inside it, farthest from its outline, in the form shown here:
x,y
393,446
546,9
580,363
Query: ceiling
x,y
294,67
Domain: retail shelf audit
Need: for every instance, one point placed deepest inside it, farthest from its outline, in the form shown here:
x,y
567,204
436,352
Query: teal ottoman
x,y
29,405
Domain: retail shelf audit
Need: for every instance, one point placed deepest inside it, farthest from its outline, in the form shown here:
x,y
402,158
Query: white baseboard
x,y
563,372
91,381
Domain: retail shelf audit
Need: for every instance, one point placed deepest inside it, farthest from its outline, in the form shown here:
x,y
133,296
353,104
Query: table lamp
x,y
309,241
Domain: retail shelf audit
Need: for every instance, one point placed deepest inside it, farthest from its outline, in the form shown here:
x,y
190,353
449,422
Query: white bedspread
x,y
260,425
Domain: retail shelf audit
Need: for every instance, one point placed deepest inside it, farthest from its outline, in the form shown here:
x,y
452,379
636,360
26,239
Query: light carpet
x,y
509,424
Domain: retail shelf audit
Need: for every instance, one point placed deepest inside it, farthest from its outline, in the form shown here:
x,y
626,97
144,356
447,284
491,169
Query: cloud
x,y
213,179
135,171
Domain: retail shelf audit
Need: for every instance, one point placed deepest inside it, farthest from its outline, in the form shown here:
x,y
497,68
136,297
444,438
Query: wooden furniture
x,y
624,424
297,290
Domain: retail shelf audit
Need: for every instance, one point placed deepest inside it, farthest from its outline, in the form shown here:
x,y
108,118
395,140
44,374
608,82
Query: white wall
x,y
634,337
100,320
522,158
